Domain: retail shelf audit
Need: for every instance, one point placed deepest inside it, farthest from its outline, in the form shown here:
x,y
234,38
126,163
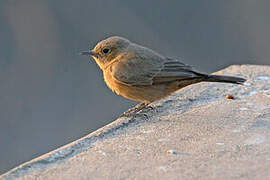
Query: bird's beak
x,y
88,53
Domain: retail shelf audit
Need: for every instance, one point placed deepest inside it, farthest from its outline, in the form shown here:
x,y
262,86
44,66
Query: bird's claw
x,y
140,108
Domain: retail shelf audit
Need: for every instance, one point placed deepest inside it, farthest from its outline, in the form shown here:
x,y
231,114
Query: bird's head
x,y
107,50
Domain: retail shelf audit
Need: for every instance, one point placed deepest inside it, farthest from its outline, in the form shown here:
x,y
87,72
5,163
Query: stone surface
x,y
197,133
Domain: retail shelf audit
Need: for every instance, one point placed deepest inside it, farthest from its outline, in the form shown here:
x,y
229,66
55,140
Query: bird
x,y
141,74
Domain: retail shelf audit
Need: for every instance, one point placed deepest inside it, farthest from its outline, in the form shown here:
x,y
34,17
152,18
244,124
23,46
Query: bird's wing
x,y
137,69
175,70
140,71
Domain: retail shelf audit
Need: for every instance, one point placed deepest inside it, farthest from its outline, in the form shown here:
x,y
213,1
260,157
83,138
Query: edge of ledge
x,y
69,150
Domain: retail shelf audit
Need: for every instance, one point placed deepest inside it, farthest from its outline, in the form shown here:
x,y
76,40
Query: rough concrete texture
x,y
197,133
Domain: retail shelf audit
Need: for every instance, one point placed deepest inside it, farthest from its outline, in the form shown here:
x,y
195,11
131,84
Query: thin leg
x,y
137,108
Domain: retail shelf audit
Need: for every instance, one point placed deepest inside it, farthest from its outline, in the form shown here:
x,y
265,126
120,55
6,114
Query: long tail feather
x,y
225,79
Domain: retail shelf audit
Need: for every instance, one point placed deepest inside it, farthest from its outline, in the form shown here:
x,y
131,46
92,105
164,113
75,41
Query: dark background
x,y
50,96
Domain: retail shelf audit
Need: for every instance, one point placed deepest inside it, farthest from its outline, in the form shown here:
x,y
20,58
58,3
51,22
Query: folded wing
x,y
174,70
145,72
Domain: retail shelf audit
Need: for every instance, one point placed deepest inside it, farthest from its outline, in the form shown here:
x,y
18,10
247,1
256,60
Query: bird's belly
x,y
138,93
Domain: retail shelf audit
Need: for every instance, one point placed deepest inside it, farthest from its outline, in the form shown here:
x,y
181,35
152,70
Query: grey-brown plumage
x,y
141,74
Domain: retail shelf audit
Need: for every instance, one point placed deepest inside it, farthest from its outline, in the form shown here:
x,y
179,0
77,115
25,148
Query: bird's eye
x,y
105,50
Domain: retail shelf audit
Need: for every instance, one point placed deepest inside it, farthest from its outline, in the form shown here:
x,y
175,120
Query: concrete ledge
x,y
195,133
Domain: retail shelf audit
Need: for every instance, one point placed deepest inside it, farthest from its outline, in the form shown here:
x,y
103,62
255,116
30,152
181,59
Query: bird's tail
x,y
224,79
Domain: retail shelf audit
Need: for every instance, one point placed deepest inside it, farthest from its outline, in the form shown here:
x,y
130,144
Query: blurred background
x,y
50,96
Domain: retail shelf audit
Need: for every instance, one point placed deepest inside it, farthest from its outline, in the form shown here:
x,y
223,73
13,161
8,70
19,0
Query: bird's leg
x,y
138,108
144,107
135,109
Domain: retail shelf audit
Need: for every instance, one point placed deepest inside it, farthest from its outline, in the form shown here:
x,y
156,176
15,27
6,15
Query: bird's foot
x,y
143,107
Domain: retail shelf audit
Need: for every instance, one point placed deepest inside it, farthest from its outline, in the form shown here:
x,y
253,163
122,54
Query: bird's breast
x,y
112,82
